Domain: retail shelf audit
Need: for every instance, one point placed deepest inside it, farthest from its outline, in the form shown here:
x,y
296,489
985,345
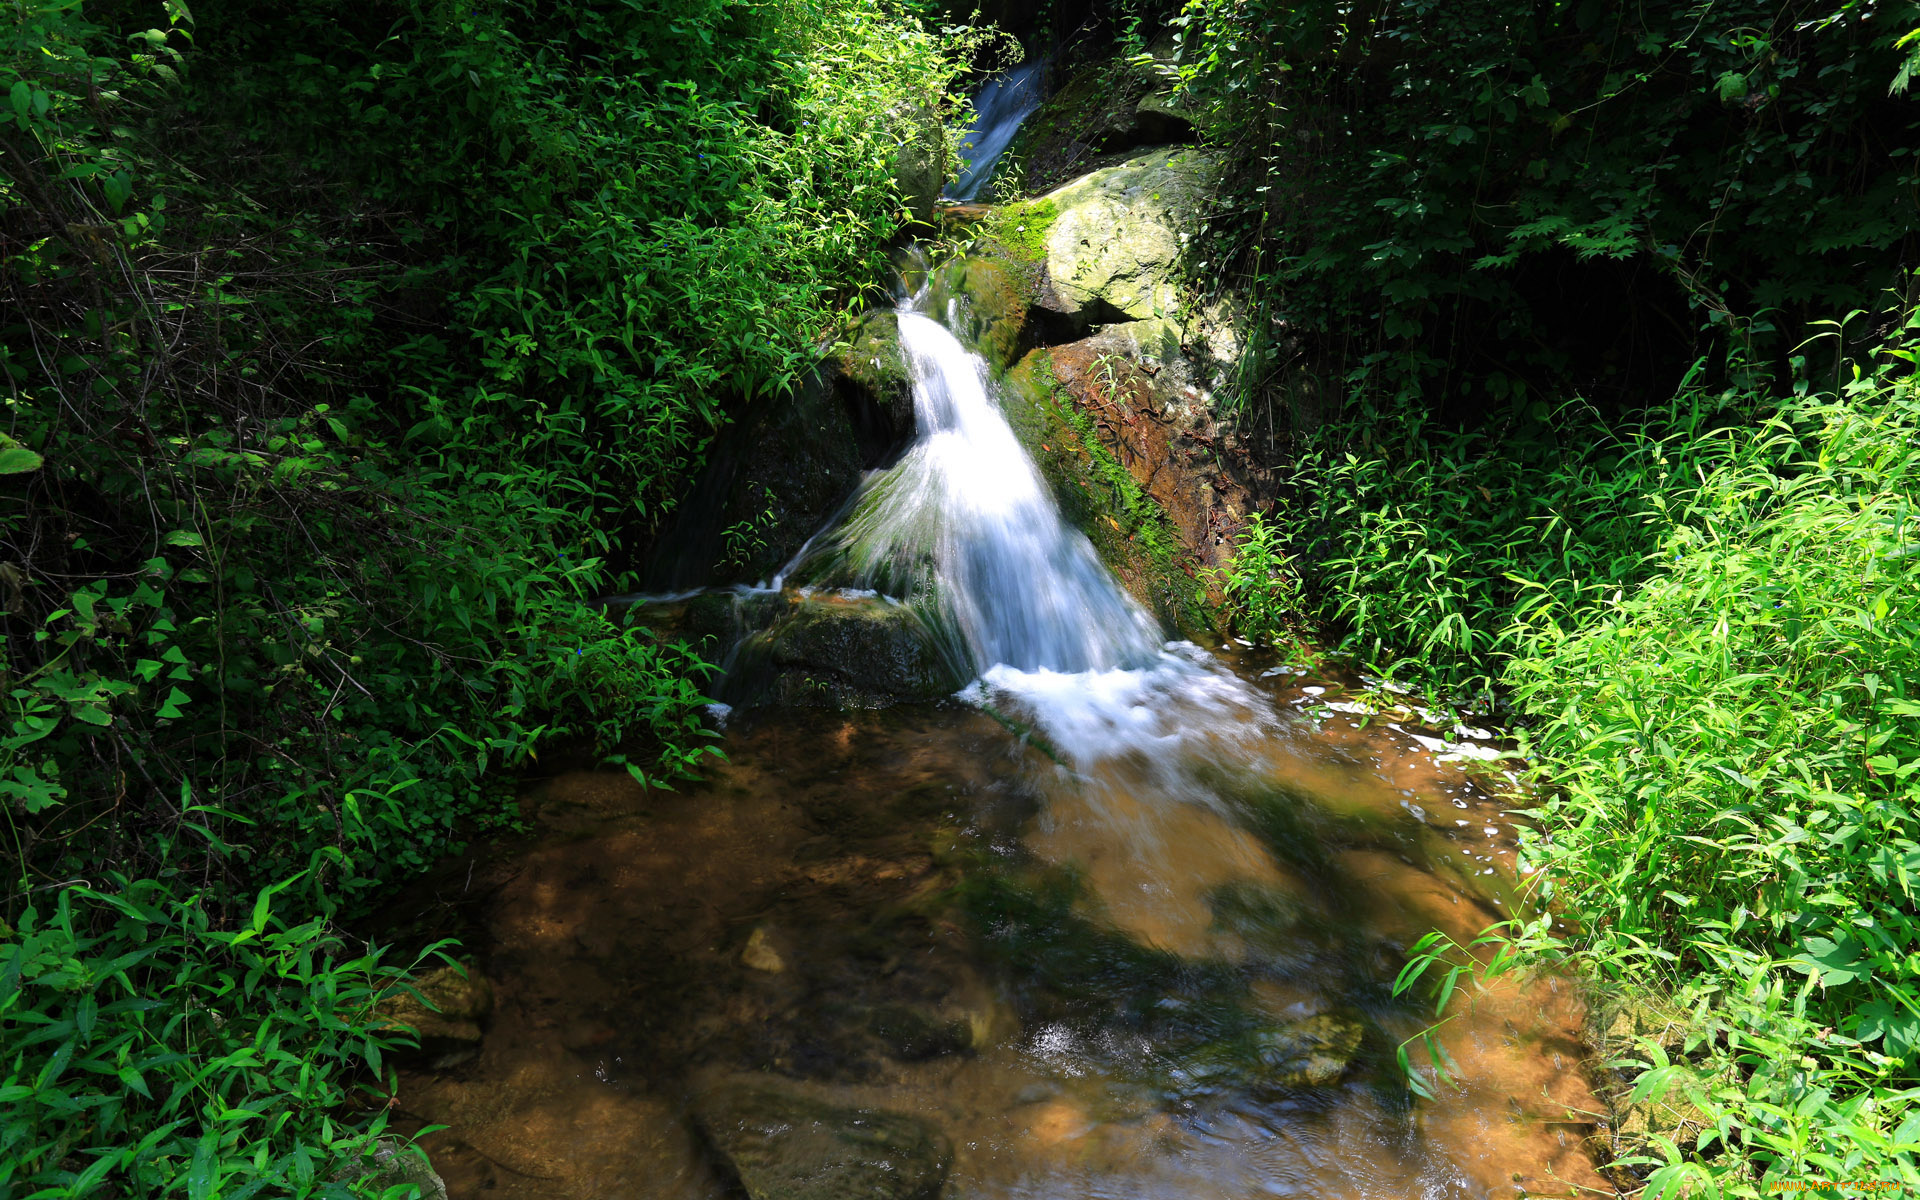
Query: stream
x,y
1121,920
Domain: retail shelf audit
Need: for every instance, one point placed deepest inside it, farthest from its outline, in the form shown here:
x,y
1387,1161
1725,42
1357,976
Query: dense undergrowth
x,y
1706,628
1589,337
345,348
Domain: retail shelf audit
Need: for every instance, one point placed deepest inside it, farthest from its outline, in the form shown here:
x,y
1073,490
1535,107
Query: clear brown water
x,y
1106,931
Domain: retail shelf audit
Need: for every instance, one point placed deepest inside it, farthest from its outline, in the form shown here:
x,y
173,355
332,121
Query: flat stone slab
x,y
784,1144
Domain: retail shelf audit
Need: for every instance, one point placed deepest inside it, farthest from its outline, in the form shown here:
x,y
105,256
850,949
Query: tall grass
x,y
1710,629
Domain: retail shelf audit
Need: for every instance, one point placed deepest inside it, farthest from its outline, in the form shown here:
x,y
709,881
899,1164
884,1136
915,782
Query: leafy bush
x,y
1734,744
1473,209
166,1053
1704,622
350,350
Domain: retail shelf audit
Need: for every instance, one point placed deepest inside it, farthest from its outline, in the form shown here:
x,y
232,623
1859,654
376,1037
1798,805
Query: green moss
x,y
1022,228
1099,496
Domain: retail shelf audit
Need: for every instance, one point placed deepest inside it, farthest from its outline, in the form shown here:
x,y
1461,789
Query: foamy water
x,y
1002,104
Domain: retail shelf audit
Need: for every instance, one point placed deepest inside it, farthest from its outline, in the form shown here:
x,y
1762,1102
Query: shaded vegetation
x,y
1606,313
350,351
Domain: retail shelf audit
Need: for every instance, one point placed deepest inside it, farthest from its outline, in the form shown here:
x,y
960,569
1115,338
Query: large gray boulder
x,y
786,1144
1117,235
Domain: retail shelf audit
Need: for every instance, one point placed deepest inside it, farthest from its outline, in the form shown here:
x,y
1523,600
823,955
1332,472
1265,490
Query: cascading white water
x,y
1003,103
964,529
965,524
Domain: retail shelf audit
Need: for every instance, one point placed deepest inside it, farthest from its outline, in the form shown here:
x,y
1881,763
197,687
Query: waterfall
x,y
964,525
1002,104
965,530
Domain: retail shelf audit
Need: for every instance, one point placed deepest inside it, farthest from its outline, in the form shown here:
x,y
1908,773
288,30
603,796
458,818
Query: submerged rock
x,y
759,953
449,1014
1289,1056
785,1144
1313,1052
913,1032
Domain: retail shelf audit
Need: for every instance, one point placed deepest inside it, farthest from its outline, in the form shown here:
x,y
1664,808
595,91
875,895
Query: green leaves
x,y
1831,962
184,1057
17,460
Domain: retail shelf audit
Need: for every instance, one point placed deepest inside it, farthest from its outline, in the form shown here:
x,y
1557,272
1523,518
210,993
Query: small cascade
x,y
964,528
965,532
1001,105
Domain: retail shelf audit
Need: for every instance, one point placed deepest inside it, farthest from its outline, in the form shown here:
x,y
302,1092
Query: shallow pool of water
x,y
1071,949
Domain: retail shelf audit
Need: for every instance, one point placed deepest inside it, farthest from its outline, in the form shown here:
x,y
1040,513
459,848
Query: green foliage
x,y
151,1042
1736,744
350,351
1706,620
1441,554
1435,196
1261,588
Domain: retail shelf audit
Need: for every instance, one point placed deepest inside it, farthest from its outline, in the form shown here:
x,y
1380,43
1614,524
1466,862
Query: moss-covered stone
x,y
856,651
985,298
1022,227
1097,495
785,1144
876,384
1118,235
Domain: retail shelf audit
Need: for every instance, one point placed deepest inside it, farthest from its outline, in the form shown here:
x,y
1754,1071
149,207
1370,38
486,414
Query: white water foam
x,y
1001,105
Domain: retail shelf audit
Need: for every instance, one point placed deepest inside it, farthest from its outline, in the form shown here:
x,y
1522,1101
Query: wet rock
x,y
770,478
1313,1052
1114,246
785,1144
759,953
856,651
1103,110
393,1163
985,298
912,1033
449,1015
877,385
1282,1057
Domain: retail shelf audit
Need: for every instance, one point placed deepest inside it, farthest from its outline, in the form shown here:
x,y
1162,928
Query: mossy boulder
x,y
875,384
985,298
783,1143
1115,242
855,651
